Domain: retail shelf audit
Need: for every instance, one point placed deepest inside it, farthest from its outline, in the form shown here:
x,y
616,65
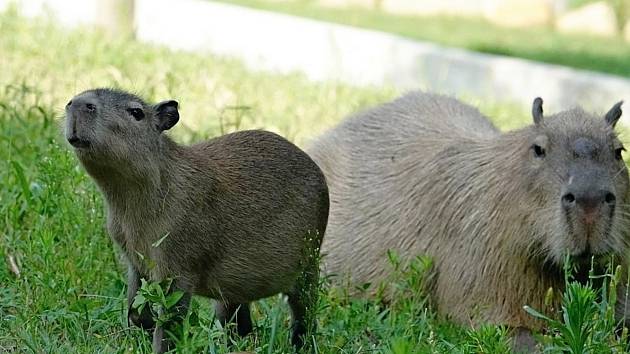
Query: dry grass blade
x,y
13,267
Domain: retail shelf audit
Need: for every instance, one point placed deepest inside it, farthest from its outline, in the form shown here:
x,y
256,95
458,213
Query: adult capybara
x,y
236,218
497,212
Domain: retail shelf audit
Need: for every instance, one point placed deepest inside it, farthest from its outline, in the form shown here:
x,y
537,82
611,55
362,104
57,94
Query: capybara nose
x,y
610,198
568,200
589,200
593,200
588,204
81,104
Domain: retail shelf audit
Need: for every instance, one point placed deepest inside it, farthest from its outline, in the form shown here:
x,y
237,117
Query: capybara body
x,y
497,212
235,218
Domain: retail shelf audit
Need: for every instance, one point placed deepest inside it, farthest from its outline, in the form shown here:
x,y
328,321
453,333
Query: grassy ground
x,y
69,295
607,55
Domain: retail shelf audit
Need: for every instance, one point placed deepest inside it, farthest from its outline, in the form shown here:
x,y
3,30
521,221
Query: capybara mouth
x,y
78,142
587,263
583,258
590,256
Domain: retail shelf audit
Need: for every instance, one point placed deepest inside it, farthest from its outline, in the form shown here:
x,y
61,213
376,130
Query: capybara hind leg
x,y
235,313
298,327
303,310
303,300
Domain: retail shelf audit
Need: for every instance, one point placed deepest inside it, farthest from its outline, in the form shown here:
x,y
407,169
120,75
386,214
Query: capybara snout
x,y
579,177
80,113
589,202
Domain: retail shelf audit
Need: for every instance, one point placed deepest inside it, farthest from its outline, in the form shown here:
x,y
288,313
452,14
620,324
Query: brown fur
x,y
429,175
233,213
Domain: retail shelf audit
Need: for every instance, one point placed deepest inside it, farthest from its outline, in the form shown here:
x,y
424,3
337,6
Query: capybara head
x,y
575,169
115,126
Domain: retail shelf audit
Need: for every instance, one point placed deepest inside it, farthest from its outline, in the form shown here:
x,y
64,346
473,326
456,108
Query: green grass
x,y
69,297
608,55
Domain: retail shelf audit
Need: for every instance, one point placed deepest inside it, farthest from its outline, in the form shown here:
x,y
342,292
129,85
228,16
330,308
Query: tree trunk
x,y
116,17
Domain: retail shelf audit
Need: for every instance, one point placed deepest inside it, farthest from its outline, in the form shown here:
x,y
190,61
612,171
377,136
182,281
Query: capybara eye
x,y
618,153
539,151
137,113
91,107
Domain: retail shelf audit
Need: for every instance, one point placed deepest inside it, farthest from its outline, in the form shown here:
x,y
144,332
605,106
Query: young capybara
x,y
236,218
497,212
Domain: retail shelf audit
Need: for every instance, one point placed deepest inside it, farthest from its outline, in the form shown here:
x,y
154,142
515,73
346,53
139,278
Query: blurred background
x,y
570,52
296,67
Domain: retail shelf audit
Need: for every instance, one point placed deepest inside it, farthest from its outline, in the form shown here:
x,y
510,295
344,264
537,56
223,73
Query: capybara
x,y
236,218
497,212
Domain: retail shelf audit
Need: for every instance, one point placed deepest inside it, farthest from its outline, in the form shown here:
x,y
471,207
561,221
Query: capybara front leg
x,y
235,313
161,335
142,319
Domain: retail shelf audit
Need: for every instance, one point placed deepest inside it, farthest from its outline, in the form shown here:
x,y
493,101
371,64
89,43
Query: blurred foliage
x,y
621,8
608,55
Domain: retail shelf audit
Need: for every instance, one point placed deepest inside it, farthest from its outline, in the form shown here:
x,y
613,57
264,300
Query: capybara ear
x,y
614,114
166,114
537,110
